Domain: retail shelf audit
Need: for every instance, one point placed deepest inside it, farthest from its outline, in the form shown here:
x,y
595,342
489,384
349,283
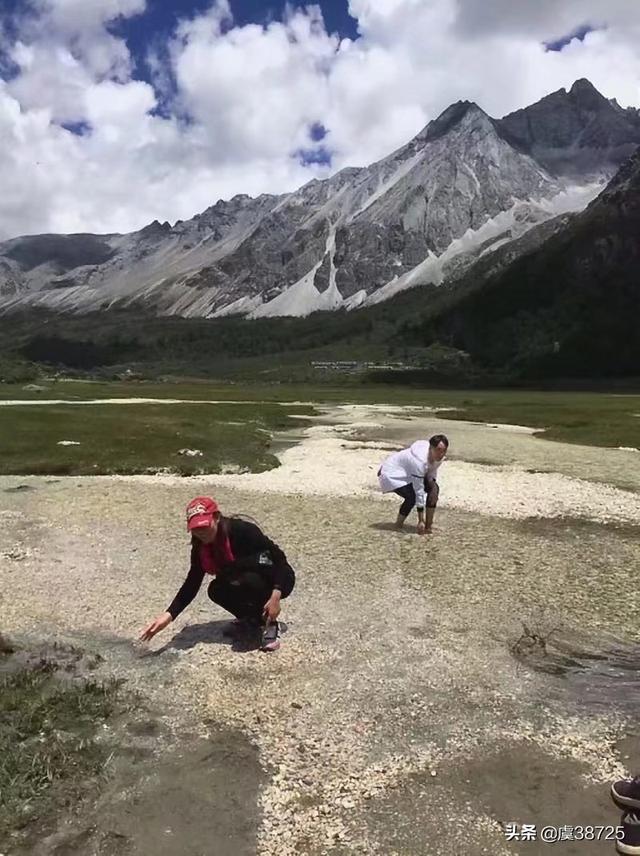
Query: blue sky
x,y
580,33
161,16
159,19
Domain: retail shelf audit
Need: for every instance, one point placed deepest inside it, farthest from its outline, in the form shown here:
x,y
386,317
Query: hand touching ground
x,y
156,626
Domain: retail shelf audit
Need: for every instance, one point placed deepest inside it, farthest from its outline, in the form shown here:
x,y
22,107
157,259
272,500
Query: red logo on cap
x,y
200,512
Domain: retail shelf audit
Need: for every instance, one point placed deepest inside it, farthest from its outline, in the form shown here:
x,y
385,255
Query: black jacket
x,y
247,541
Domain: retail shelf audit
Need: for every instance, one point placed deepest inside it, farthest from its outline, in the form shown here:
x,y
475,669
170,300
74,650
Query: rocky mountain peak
x,y
585,96
155,229
460,113
583,87
576,132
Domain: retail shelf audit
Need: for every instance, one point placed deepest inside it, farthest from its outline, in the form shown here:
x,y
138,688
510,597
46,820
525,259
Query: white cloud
x,y
254,90
79,15
64,47
245,97
543,19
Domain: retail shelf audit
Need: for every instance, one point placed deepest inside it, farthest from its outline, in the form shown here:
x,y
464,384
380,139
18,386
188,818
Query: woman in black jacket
x,y
250,573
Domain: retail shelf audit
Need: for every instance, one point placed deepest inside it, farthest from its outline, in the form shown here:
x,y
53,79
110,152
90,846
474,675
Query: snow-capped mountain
x,y
464,186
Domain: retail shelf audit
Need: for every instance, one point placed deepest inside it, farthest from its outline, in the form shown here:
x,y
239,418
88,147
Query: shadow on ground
x,y
126,780
389,526
520,784
199,799
213,633
210,633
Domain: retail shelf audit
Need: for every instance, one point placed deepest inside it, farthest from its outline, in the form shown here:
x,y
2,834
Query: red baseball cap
x,y
200,512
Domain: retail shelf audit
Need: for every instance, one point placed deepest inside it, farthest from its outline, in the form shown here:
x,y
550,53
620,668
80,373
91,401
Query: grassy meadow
x,y
141,438
233,424
51,750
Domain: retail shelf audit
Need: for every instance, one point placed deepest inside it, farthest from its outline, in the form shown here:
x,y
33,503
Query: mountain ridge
x,y
559,302
465,182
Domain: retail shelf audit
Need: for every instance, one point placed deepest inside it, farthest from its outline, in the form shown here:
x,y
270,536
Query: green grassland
x,y
236,432
142,438
49,755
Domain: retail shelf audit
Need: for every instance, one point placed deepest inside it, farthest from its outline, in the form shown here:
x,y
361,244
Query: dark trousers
x,y
244,592
408,494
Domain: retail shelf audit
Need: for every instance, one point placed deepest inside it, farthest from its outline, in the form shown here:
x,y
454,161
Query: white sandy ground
x,y
395,677
337,460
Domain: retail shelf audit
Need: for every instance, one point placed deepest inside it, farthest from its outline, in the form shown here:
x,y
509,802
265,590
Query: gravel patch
x,y
395,702
506,485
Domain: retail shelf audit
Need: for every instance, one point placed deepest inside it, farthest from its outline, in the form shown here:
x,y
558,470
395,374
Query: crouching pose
x,y
412,474
250,573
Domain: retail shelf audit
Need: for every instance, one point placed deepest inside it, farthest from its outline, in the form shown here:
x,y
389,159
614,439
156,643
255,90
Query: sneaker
x,y
630,842
626,793
271,636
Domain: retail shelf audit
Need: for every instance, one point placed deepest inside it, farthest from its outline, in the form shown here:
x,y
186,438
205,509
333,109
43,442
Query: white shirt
x,y
409,466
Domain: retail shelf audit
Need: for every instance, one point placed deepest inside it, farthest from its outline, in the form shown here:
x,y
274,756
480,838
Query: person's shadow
x,y
211,633
389,526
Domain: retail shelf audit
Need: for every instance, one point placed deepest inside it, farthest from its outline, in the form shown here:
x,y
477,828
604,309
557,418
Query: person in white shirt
x,y
412,474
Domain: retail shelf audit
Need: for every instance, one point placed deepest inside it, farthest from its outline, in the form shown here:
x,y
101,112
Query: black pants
x,y
409,495
244,592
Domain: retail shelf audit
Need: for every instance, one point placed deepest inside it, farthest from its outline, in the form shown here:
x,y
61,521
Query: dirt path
x,y
395,719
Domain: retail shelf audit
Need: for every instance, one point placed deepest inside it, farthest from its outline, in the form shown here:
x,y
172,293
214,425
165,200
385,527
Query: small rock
x,y
15,555
6,647
18,488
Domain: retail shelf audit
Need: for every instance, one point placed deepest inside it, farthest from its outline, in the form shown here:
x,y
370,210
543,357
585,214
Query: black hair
x,y
246,517
437,439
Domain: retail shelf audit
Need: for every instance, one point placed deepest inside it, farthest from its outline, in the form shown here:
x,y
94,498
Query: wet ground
x,y
428,692
170,784
196,798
